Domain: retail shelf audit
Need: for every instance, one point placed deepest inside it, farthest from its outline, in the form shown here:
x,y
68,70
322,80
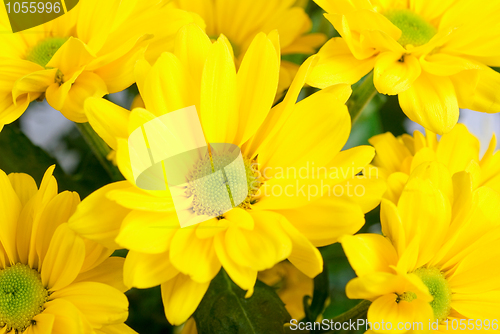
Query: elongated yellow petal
x,y
107,119
181,297
395,73
9,213
64,259
109,272
67,317
218,94
257,81
193,256
338,65
101,303
431,101
147,270
369,253
98,218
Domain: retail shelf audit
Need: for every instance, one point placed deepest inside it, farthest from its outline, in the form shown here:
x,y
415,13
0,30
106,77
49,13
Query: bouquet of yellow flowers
x,y
235,166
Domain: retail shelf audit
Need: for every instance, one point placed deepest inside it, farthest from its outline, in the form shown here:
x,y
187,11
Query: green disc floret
x,y
415,30
22,296
210,193
439,288
43,52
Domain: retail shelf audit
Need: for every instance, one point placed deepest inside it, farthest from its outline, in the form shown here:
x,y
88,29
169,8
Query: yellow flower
x,y
89,51
51,280
240,21
439,259
423,51
269,226
458,150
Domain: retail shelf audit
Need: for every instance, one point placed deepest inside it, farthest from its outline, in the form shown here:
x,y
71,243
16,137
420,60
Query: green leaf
x,y
224,309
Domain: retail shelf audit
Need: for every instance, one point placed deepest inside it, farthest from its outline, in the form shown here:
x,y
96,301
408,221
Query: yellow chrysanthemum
x,y
51,280
439,259
458,150
89,51
234,107
240,21
433,54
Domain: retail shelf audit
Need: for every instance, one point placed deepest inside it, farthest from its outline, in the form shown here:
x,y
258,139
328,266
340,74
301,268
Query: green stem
x,y
357,312
100,149
361,97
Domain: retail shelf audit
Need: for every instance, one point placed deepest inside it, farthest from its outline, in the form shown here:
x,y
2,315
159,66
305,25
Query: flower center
x,y
408,296
434,279
415,30
43,52
210,193
22,296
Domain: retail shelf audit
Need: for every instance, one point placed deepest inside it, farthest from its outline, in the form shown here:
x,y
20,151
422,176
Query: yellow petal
x,y
392,226
24,186
57,212
109,272
71,56
100,303
67,318
36,82
373,285
218,101
305,140
166,87
395,73
444,65
257,81
261,248
44,323
388,310
390,152
148,232
304,255
338,65
369,253
10,208
116,329
147,270
194,257
181,297
98,218
192,47
107,119
119,74
86,85
333,217
64,259
457,148
431,102
10,111
244,277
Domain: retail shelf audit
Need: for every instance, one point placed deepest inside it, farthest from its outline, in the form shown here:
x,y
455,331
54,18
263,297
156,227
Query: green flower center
x,y
415,30
210,193
438,287
22,297
43,52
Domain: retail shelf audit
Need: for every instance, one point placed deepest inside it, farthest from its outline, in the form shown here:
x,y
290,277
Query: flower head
x,y
240,21
51,280
438,259
89,51
235,107
426,53
458,150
